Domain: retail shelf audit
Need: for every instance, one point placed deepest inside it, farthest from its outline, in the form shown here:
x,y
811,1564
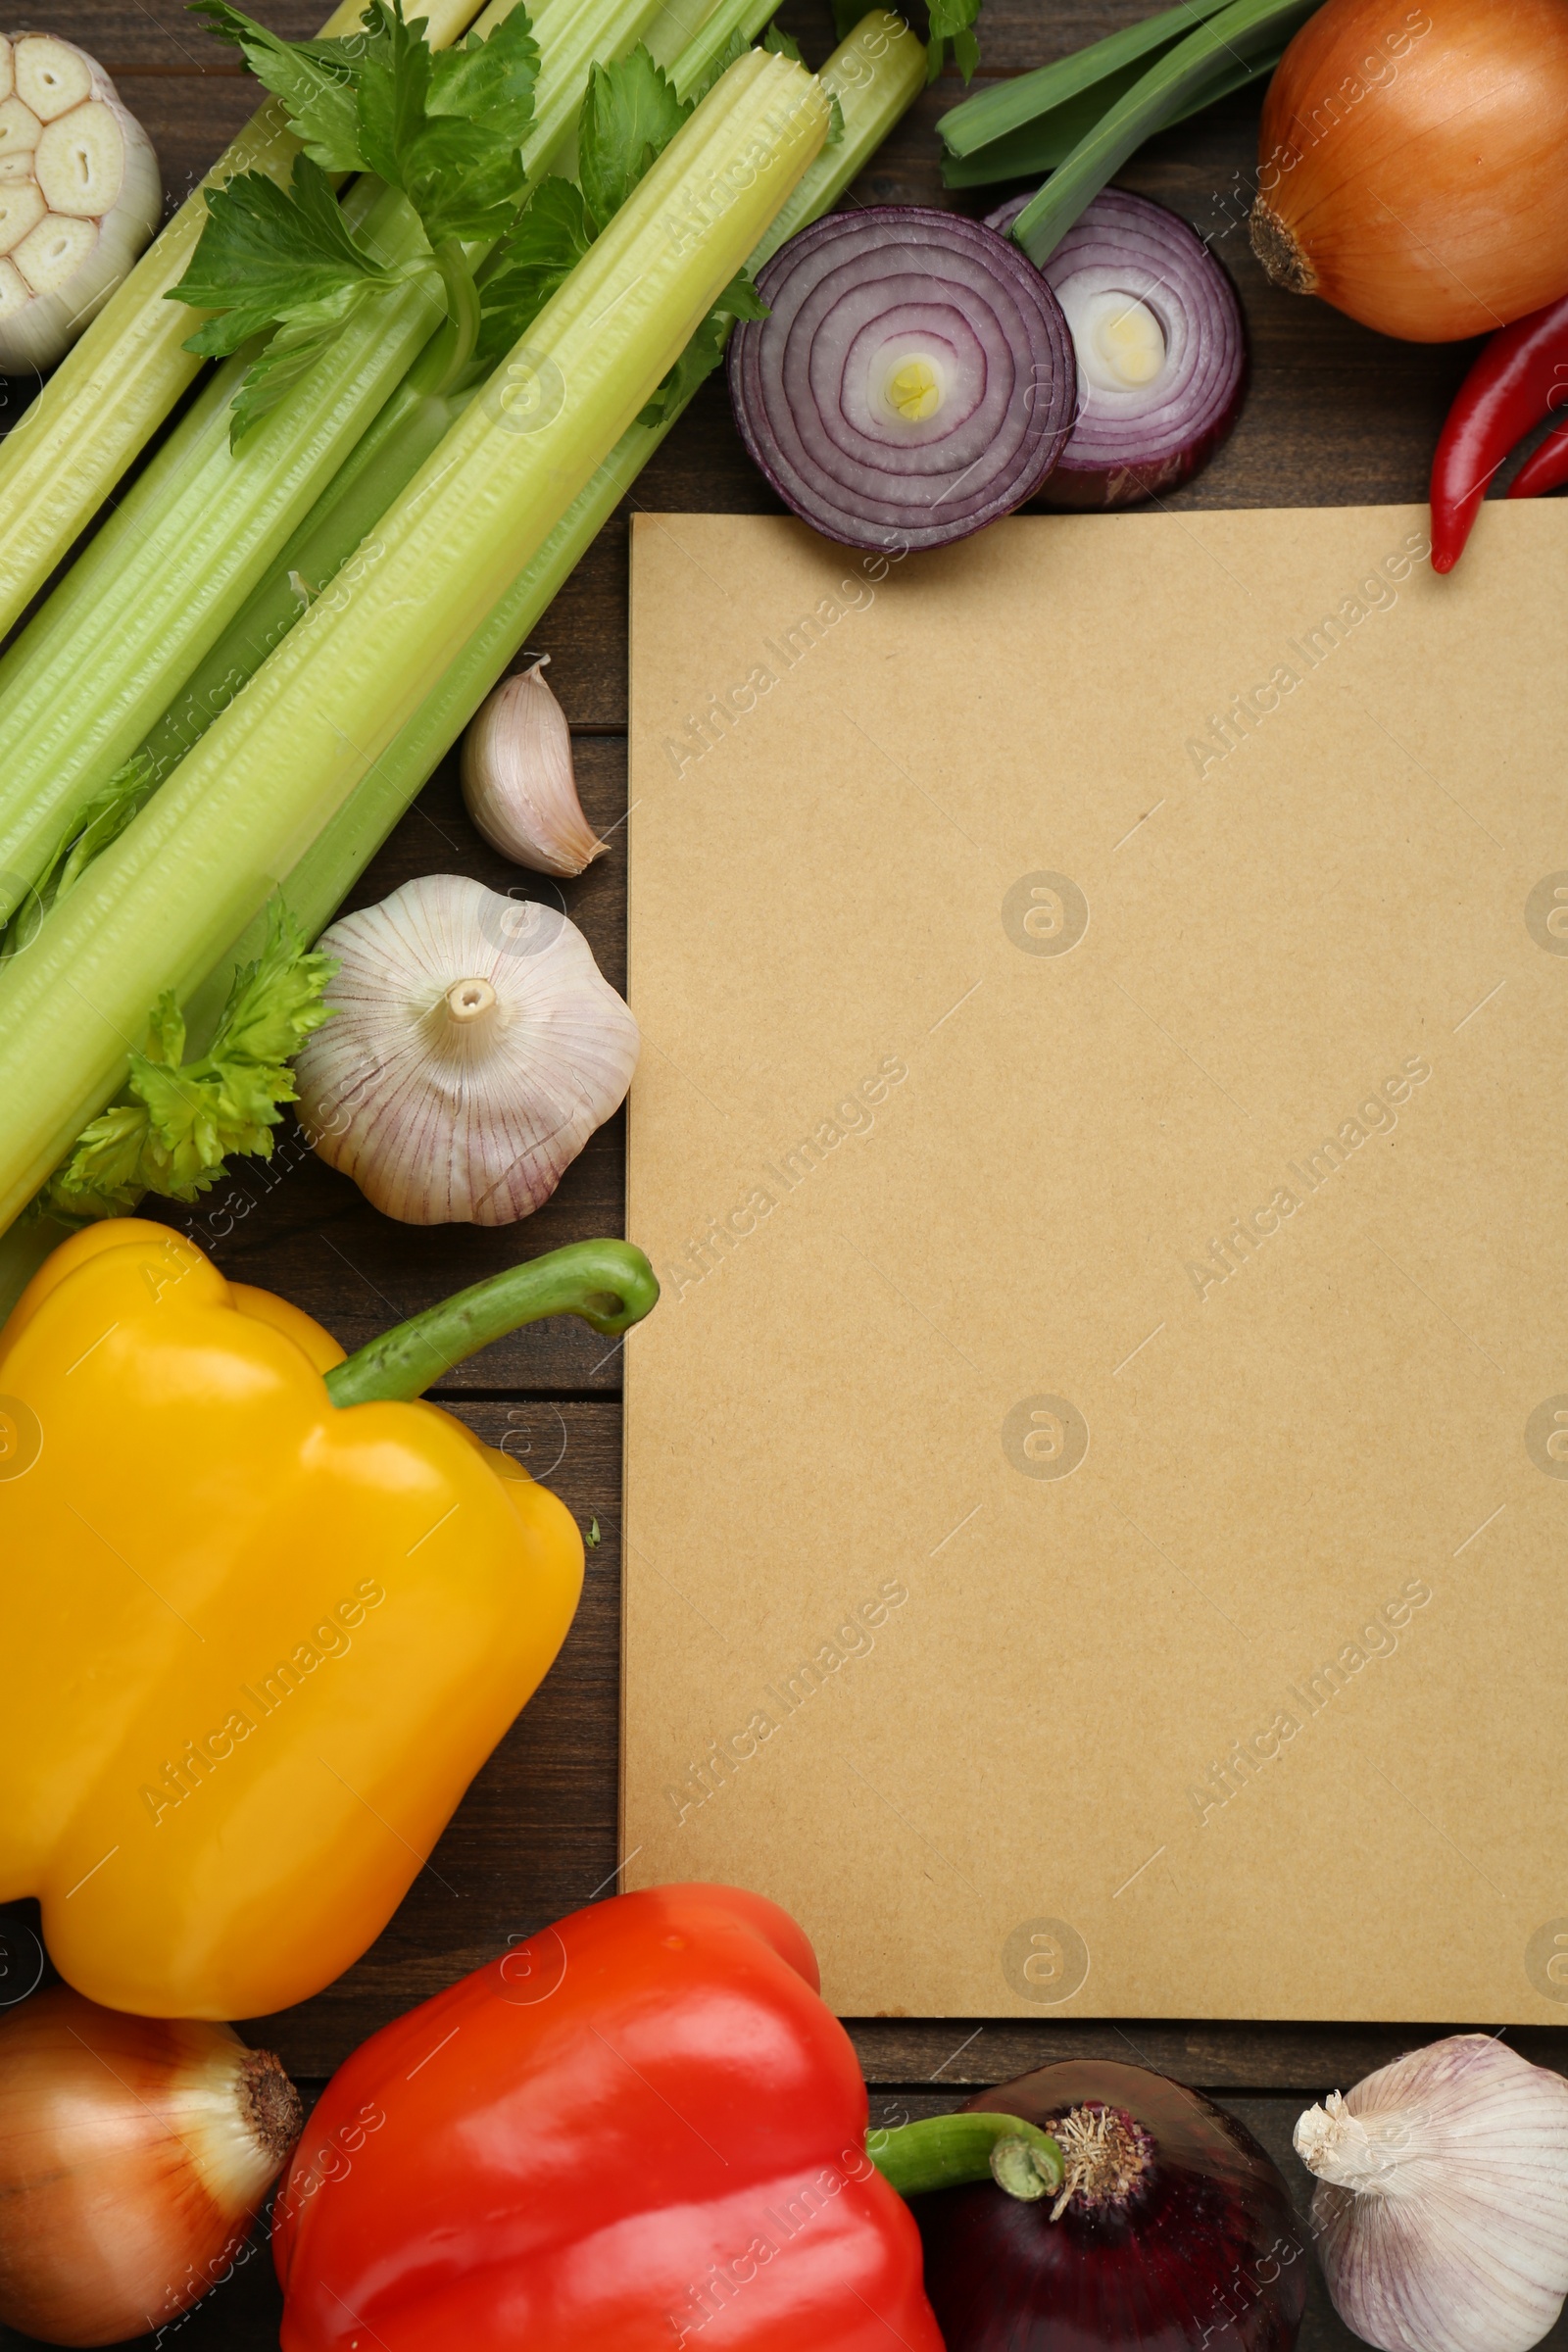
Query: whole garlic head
x,y
477,1047
80,193
1442,2205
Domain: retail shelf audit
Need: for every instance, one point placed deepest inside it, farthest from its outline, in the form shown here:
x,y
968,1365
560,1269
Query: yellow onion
x,y
1411,164
134,2153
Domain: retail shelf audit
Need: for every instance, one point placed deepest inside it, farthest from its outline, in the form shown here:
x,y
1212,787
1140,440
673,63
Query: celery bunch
x,y
156,911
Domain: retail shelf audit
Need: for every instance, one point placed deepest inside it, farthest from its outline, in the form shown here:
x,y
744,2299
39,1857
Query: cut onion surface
x,y
1160,347
912,381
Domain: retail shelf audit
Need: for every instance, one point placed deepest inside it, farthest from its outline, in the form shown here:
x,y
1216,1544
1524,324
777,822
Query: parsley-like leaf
x,y
782,44
315,79
185,1118
702,353
543,248
736,46
448,129
630,113
268,253
276,257
952,21
90,833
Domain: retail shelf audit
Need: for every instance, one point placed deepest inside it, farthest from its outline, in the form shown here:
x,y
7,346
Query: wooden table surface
x,y
1336,415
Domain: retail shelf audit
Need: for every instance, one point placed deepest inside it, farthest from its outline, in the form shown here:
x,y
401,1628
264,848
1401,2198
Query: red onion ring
x,y
1136,439
912,381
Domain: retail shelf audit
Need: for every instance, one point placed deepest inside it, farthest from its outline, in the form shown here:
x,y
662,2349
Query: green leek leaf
x,y
183,1118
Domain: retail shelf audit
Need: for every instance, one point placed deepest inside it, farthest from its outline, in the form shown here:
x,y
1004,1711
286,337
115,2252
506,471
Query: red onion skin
x,y
1093,489
1206,2257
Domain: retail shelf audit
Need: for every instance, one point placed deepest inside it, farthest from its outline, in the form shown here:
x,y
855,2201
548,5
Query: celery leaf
x,y
315,79
268,253
952,21
736,46
702,353
448,129
782,44
630,113
89,832
184,1117
540,254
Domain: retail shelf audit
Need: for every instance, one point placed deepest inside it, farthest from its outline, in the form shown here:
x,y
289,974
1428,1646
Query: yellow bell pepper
x,y
262,1617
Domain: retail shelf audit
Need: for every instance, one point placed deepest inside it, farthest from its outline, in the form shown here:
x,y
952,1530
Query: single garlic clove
x,y
518,781
80,194
475,1048
51,75
20,129
54,253
22,208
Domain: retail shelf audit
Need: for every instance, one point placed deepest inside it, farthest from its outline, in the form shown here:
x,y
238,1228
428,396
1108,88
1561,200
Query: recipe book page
x,y
1096,1507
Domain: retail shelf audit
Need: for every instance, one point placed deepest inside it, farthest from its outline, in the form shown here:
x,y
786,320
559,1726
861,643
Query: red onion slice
x,y
912,381
1160,347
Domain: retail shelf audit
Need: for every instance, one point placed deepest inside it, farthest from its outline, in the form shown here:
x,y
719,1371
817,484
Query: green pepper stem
x,y
609,1284
944,2151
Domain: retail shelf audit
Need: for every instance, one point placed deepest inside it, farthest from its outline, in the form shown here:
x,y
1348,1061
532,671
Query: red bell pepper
x,y
1520,376
642,2123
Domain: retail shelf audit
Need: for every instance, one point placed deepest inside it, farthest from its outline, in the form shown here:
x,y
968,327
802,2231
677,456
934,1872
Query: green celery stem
x,y
946,2151
610,1284
877,72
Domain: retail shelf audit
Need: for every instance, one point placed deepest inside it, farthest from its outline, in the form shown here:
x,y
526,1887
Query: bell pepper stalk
x,y
276,1611
1520,376
634,2124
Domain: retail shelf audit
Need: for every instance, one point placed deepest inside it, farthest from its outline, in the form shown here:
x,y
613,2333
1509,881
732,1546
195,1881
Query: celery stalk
x,y
1245,30
389,455
109,395
154,910
876,75
166,575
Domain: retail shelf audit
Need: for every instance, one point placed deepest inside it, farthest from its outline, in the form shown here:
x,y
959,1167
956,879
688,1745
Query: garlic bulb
x,y
80,193
476,1049
134,2153
518,781
1442,2214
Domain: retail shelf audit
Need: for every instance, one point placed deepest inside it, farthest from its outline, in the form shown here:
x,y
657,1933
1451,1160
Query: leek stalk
x,y
156,911
876,75
1119,60
1242,33
161,581
110,394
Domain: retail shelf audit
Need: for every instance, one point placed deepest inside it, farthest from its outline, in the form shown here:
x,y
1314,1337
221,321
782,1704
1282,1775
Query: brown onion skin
x,y
107,2229
1208,2254
1436,205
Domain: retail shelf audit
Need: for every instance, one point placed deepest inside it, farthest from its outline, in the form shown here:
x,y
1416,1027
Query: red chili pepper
x,y
1520,376
642,2121
1546,467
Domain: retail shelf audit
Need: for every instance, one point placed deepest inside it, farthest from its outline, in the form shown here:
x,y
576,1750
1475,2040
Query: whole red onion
x,y
1173,2230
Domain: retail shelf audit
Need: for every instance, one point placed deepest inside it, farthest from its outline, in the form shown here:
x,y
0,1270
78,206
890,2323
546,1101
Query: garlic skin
x,y
475,1048
519,782
134,2152
1442,2210
80,195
